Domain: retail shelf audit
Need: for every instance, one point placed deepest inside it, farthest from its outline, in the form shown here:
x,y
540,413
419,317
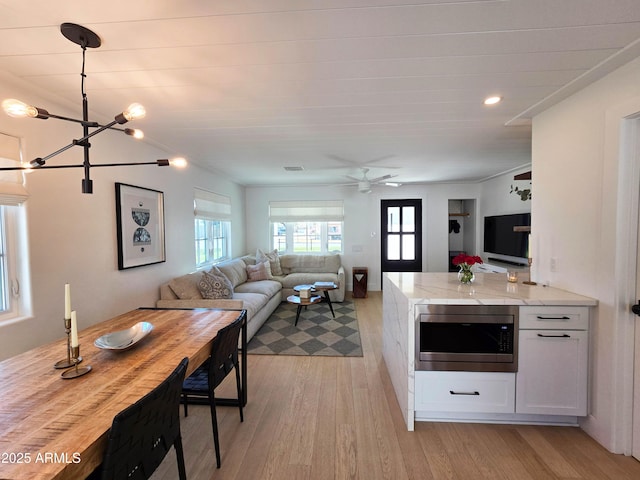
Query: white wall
x,y
362,220
72,236
575,221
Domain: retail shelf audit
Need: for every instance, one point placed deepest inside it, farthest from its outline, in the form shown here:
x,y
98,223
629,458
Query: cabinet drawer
x,y
482,392
552,318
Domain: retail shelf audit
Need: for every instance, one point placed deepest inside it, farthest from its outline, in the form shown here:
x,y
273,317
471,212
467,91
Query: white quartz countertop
x,y
487,289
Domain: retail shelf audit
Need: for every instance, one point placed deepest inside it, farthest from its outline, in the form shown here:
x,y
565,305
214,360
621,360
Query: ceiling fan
x,y
364,184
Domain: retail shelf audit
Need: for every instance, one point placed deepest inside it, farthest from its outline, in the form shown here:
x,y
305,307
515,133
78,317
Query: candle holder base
x,y
75,372
529,282
66,363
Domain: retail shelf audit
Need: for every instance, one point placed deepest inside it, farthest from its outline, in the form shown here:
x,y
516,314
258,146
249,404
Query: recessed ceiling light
x,y
492,100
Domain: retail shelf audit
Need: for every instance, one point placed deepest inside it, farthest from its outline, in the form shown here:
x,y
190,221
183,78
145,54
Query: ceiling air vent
x,y
294,169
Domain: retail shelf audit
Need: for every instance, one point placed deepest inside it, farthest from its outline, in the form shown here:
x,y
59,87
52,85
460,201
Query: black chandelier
x,y
86,39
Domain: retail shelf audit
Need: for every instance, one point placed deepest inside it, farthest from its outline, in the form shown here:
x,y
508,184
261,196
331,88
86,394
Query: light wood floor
x,y
338,418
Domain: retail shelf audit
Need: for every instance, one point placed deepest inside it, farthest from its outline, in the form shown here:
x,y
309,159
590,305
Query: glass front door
x,y
401,222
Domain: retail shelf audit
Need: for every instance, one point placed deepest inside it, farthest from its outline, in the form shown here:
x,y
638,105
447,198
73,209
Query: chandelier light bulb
x,y
134,112
17,109
135,133
178,162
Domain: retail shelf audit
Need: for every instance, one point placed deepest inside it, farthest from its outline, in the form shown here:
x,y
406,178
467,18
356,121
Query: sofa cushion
x,y
235,270
259,271
186,286
273,258
214,284
265,287
252,302
294,279
307,263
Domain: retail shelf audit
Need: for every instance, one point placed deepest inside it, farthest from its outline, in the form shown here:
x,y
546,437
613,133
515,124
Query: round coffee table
x,y
318,287
302,302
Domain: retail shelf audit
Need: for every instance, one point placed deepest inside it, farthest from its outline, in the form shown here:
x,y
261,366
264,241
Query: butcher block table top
x,y
55,428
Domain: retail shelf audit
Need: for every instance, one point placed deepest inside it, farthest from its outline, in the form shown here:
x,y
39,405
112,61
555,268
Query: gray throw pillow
x,y
214,284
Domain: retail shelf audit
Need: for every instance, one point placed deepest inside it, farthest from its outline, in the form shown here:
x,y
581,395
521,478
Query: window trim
x,y
15,276
212,207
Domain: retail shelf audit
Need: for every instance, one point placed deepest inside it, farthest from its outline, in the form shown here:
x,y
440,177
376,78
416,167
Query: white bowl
x,y
124,338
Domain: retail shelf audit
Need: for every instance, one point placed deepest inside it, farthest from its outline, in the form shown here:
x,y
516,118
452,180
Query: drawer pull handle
x,y
463,393
564,317
564,335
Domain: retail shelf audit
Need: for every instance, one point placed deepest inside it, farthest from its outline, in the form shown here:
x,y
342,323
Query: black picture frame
x,y
140,226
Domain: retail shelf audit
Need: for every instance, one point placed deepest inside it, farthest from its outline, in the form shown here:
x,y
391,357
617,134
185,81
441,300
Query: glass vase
x,y
465,275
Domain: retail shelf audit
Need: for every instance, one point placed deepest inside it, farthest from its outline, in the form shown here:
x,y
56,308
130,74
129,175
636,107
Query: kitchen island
x,y
550,383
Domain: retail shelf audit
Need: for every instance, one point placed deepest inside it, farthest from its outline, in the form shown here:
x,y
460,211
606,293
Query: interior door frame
x,y
627,243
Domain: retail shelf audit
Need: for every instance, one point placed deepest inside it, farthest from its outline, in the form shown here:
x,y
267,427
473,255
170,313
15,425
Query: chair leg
x,y
239,388
214,424
186,402
182,472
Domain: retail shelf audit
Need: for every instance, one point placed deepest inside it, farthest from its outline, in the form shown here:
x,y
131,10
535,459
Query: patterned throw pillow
x,y
274,261
214,284
259,271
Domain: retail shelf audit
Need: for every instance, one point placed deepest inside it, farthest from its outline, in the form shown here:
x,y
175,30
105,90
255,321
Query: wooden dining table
x,y
56,428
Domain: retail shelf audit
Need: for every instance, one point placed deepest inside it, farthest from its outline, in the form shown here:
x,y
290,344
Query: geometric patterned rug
x,y
317,332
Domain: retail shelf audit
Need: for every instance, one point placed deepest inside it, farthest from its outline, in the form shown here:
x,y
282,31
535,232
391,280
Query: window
x,y
212,227
13,302
307,226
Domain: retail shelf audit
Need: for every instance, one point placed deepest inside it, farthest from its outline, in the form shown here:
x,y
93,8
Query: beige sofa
x,y
260,298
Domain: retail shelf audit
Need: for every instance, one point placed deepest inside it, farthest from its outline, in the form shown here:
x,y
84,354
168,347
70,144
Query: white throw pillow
x,y
274,261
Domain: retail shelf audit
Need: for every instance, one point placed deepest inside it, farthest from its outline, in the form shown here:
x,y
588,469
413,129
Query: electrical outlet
x,y
553,264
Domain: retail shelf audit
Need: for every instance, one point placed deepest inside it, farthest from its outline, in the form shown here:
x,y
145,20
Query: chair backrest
x,y
142,434
224,352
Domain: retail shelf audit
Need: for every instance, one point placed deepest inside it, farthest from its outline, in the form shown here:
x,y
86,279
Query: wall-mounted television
x,y
499,237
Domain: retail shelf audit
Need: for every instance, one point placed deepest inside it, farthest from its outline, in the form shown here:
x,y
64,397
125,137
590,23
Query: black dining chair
x,y
141,435
201,384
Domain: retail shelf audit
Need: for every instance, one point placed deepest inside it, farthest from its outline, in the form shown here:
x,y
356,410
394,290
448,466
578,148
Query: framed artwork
x,y
140,222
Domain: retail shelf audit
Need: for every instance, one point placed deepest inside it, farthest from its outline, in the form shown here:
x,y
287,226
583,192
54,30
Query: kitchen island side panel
x,y
398,346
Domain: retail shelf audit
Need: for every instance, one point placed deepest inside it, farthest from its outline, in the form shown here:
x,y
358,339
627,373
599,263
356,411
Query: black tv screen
x,y
500,238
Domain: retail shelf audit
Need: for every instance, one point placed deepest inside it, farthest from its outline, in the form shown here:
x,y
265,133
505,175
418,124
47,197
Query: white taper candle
x,y
74,329
67,301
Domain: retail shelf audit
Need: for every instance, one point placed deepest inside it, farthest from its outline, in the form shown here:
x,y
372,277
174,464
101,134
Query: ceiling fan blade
x,y
384,177
378,159
353,178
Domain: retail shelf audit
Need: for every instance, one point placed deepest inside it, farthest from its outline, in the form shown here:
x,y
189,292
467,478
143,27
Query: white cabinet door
x,y
552,372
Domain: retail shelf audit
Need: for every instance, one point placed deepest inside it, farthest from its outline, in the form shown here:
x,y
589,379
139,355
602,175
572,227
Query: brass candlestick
x,y
76,372
529,282
66,363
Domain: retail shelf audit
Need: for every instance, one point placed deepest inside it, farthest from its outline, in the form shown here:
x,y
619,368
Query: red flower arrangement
x,y
464,259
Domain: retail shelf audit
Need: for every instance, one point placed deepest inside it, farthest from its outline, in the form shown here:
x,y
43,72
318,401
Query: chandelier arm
x,y
69,119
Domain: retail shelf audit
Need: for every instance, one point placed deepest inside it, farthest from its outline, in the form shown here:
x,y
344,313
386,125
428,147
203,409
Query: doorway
x,y
462,229
401,235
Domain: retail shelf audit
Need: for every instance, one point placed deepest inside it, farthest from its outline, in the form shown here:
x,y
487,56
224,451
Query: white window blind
x,y
12,190
306,210
211,206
